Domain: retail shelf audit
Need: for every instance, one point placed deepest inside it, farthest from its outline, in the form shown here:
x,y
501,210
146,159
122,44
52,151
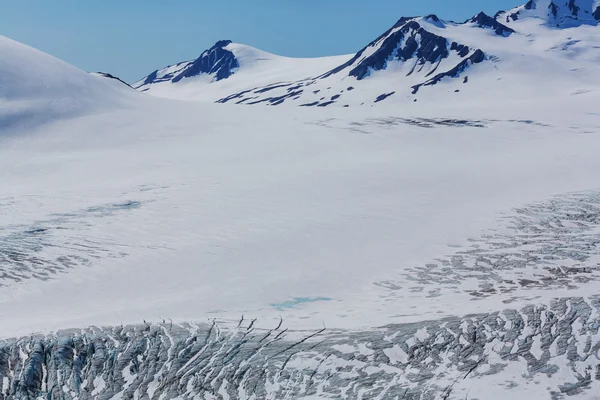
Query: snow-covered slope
x,y
35,87
228,67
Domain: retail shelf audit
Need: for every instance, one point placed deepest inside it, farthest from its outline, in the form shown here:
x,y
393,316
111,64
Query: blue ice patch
x,y
297,301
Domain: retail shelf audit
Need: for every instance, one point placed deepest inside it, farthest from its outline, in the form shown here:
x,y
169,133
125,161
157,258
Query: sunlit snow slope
x,y
36,87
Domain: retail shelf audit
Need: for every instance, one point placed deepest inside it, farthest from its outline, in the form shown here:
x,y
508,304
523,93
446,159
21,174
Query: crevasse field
x,y
445,248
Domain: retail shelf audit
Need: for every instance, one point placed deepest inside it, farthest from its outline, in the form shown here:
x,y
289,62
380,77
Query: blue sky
x,y
131,38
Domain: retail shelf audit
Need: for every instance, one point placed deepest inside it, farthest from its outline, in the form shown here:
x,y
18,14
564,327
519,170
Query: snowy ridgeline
x,y
536,352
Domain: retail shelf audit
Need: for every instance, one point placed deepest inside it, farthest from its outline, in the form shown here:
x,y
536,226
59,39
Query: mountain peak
x,y
400,22
483,20
222,43
434,20
217,62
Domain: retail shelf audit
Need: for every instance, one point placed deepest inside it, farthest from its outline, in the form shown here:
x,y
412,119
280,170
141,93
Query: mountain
x,y
509,55
406,41
228,67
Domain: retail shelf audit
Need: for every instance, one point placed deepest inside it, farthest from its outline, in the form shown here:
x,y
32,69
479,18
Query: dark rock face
x,y
573,7
553,9
477,57
382,97
483,20
215,60
109,76
597,13
512,17
411,41
556,344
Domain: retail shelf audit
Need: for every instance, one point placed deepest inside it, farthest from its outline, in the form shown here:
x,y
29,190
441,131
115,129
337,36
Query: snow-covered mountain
x,y
217,62
513,54
229,67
